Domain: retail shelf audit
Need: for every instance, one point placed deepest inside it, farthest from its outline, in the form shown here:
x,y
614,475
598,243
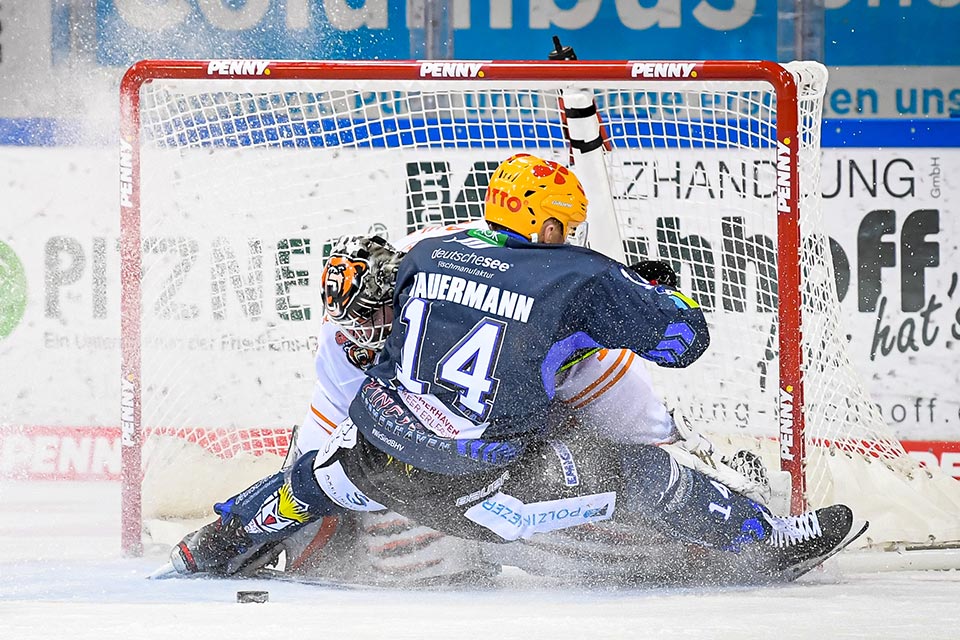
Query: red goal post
x,y
195,120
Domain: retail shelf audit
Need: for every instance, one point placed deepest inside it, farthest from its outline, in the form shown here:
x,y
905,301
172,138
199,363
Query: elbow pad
x,y
684,340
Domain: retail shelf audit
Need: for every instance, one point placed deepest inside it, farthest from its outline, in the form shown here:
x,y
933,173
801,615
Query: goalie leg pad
x,y
743,472
252,522
278,505
751,467
756,486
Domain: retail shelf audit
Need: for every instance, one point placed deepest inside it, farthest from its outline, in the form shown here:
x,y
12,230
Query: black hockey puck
x,y
253,596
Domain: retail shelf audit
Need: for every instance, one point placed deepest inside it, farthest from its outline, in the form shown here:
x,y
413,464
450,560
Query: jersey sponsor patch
x,y
432,414
494,238
339,488
481,239
570,476
511,519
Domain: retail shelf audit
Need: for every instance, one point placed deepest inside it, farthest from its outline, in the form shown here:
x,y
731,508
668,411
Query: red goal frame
x,y
626,71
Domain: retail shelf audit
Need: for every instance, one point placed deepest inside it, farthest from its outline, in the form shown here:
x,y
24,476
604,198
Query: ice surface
x,y
62,576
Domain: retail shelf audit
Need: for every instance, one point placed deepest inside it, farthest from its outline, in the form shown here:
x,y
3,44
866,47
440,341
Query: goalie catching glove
x,y
743,472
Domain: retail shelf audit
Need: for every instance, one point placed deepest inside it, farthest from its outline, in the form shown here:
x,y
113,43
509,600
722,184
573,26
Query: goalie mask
x,y
525,191
357,284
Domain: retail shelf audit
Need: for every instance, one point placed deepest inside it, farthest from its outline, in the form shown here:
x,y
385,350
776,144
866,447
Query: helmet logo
x,y
342,282
503,199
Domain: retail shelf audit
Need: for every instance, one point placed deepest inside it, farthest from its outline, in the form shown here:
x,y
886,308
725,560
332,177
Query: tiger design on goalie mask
x,y
343,281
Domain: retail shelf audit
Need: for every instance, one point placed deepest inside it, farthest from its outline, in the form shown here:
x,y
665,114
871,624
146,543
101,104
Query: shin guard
x,y
687,504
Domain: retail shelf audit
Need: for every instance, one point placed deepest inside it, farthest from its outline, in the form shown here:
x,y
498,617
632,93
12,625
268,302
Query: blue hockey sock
x,y
688,504
278,505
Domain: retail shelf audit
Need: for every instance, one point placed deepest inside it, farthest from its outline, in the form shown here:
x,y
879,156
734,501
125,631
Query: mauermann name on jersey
x,y
501,302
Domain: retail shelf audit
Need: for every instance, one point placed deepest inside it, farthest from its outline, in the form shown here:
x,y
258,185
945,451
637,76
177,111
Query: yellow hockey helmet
x,y
526,190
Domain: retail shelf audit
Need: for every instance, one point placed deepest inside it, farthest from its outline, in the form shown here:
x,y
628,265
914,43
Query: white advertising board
x,y
891,213
894,217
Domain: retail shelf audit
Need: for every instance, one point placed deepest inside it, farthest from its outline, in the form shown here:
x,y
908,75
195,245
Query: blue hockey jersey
x,y
484,320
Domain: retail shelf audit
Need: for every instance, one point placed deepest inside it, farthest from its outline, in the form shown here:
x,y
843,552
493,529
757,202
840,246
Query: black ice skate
x,y
796,544
220,549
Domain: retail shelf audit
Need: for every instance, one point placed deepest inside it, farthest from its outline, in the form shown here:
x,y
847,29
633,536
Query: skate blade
x,y
164,573
857,530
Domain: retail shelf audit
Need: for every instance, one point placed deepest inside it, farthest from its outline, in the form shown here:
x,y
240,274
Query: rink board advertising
x,y
890,215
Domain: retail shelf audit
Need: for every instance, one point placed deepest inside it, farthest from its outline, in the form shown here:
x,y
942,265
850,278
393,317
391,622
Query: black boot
x,y
795,544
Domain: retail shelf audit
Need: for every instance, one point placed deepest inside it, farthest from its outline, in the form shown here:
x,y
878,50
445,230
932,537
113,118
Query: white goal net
x,y
237,175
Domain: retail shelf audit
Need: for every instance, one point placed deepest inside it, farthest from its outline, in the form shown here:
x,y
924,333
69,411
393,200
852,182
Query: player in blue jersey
x,y
452,428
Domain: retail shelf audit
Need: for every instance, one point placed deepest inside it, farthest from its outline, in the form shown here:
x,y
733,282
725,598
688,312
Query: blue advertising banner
x,y
857,32
131,30
883,32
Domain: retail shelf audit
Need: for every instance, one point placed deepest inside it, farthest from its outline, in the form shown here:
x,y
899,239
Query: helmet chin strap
x,y
579,236
534,238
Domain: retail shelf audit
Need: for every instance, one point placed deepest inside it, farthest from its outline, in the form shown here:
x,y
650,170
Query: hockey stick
x,y
588,144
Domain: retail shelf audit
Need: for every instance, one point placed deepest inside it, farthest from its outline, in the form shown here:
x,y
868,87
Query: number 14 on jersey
x,y
468,368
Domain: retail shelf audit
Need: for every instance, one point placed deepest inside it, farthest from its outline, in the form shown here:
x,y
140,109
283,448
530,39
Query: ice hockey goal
x,y
236,174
